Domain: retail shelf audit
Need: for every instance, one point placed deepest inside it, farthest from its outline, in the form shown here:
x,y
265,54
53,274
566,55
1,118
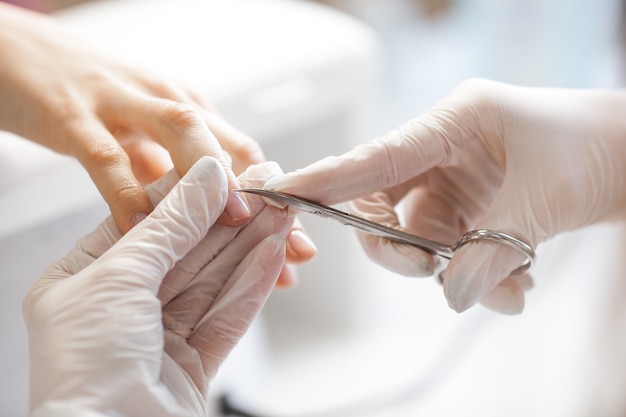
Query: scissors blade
x,y
360,223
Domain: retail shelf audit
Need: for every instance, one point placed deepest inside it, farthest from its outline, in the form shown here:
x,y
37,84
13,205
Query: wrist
x,y
605,132
615,107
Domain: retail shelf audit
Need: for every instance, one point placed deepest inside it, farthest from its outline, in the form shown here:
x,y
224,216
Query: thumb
x,y
175,226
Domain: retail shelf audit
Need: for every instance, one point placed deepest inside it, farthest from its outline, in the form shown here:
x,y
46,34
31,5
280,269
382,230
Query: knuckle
x,y
477,92
126,190
474,85
181,116
101,155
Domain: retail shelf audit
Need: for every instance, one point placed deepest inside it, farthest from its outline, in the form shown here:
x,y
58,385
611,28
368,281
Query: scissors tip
x,y
273,198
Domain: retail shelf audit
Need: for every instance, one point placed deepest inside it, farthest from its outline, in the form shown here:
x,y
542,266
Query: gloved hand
x,y
102,342
531,162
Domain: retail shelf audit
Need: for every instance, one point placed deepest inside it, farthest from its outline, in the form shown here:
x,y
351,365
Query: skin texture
x,y
127,126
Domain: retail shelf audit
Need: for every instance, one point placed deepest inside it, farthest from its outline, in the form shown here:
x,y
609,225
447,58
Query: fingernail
x,y
138,217
301,244
461,292
236,207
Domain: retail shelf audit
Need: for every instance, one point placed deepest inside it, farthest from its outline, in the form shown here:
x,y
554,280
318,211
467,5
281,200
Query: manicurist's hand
x,y
531,162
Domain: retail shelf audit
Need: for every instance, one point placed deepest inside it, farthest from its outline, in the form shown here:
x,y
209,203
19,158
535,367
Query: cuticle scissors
x,y
442,251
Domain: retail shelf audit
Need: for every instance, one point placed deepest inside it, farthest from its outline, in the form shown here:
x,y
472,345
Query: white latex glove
x,y
103,344
531,162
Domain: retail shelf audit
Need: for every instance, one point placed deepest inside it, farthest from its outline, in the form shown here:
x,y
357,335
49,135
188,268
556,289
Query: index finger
x,y
181,129
390,160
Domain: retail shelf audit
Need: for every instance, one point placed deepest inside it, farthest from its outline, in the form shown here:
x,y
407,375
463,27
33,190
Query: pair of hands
x,y
531,162
110,329
139,324
125,125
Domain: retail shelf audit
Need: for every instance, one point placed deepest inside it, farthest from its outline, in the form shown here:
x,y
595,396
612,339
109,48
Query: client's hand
x,y
125,125
139,326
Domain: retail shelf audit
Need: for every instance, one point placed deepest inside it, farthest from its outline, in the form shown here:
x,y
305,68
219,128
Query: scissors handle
x,y
501,238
